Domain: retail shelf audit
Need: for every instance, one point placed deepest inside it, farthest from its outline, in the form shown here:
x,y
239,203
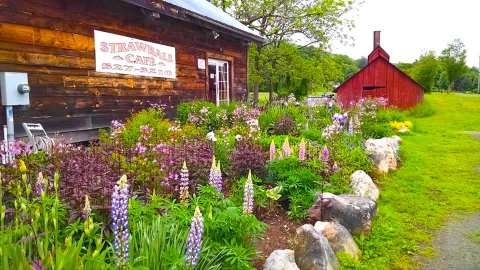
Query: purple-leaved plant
x,y
121,234
194,242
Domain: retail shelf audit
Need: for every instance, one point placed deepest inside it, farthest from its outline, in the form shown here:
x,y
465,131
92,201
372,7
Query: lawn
x,y
440,175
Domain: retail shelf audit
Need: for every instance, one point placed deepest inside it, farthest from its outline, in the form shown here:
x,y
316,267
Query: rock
x,y
353,212
362,185
312,250
281,260
384,152
339,238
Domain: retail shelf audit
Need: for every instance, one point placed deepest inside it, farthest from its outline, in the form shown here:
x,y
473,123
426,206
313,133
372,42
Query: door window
x,y
219,81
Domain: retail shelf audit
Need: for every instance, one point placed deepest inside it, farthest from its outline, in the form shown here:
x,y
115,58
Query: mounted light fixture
x,y
215,34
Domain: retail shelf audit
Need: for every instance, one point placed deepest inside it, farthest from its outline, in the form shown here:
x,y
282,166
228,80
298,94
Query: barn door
x,y
218,81
375,81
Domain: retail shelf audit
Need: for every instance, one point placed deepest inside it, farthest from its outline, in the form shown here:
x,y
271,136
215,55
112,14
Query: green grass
x,y
439,176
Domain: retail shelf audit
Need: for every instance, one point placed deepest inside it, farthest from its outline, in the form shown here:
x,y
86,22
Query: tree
x,y
453,61
424,70
315,21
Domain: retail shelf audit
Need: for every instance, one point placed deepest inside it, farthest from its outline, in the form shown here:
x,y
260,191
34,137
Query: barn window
x,y
372,87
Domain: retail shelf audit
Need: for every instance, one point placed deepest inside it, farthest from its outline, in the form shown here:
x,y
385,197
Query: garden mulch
x,y
279,234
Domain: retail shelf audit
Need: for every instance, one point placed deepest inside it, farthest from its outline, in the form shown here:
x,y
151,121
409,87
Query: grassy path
x,y
439,177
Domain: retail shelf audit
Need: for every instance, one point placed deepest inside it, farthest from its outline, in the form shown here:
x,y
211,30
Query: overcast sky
x,y
412,27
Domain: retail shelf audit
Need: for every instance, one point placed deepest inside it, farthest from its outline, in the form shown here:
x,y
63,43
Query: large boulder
x,y
312,250
384,153
362,185
281,259
353,212
339,238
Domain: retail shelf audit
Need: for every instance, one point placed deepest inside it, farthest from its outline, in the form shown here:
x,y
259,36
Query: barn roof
x,y
204,11
370,63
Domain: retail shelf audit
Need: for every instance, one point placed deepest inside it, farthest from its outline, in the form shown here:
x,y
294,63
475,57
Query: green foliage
x,y
424,109
425,69
274,114
298,181
453,61
438,177
152,117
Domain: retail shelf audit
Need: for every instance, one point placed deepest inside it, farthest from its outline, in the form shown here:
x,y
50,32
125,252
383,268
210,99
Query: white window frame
x,y
220,63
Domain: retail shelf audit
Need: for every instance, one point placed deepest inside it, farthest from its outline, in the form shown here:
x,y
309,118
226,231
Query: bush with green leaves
x,y
283,120
153,118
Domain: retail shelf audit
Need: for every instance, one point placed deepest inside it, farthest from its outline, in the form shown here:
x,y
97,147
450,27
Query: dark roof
x,y
203,11
375,60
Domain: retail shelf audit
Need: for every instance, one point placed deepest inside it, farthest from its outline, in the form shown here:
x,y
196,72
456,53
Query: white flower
x,y
238,137
211,136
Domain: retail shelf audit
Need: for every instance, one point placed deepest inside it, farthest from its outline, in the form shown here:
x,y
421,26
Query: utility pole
x,y
478,90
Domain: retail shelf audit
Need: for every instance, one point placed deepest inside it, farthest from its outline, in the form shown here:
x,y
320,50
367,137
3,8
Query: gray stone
x,y
384,153
362,185
353,212
339,238
312,250
281,259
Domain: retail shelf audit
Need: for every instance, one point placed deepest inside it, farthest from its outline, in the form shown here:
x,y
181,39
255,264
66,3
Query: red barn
x,y
380,79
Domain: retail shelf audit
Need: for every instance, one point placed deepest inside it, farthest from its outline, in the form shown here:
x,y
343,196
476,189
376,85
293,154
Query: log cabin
x,y
93,61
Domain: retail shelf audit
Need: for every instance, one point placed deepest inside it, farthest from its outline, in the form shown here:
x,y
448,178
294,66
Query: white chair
x,y
37,137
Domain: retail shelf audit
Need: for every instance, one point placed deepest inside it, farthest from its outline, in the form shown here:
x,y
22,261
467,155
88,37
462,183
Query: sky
x,y
413,27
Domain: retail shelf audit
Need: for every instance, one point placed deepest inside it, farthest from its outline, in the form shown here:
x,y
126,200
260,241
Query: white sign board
x,y
201,63
124,55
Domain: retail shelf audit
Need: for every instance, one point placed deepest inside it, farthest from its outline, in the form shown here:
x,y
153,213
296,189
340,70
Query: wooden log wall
x,y
53,41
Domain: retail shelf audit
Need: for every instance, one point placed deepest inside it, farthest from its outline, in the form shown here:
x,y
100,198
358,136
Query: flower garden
x,y
197,192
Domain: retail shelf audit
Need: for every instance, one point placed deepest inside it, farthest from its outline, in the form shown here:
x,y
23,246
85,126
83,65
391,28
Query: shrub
x,y
284,126
273,115
153,118
247,156
424,109
298,180
85,171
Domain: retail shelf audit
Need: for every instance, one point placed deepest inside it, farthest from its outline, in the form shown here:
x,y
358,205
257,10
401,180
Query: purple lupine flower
x,y
194,243
184,183
325,154
287,151
121,234
350,127
334,167
40,185
302,150
248,195
217,180
272,150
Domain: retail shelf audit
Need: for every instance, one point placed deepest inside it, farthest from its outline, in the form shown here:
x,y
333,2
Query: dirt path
x,y
457,245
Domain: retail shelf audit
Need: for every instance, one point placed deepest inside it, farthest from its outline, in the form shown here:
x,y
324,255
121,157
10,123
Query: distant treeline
x,y
447,71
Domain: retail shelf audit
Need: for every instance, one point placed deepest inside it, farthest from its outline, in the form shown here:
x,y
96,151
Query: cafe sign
x,y
125,55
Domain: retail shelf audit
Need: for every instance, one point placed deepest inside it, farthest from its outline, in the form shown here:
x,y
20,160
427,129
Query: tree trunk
x,y
255,94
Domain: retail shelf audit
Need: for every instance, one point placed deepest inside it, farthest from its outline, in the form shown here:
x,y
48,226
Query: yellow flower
x,y
408,124
21,166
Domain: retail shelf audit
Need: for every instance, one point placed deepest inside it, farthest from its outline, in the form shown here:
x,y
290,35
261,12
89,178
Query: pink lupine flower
x,y
272,150
248,195
301,150
194,242
184,183
287,151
